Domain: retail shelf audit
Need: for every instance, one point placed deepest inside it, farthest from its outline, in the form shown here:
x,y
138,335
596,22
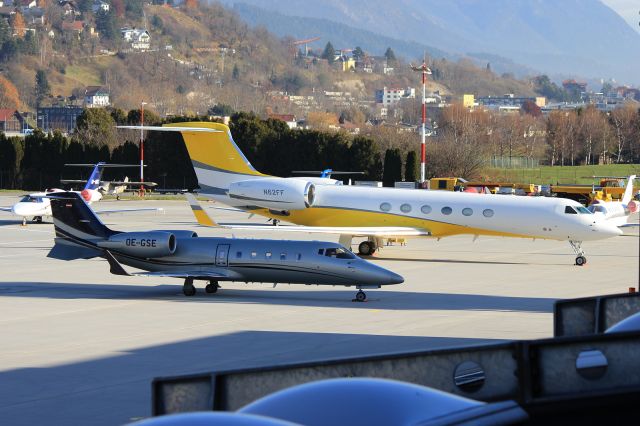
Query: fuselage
x,y
272,261
442,213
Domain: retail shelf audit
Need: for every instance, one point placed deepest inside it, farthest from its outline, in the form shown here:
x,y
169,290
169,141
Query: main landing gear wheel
x,y
212,287
581,260
188,288
366,248
37,219
361,296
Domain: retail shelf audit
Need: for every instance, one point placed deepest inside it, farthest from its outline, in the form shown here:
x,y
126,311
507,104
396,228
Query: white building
x,y
100,6
390,96
139,38
96,96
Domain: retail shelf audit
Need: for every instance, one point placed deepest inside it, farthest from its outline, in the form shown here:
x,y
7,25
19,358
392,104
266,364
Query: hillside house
x,y
73,27
139,38
100,6
69,8
290,119
96,96
27,4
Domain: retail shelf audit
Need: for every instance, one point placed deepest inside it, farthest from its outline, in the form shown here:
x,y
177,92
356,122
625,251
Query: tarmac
x,y
81,346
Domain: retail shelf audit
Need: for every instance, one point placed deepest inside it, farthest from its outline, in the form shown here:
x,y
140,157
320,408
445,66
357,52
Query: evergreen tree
x,y
358,53
411,167
5,31
42,86
391,57
392,171
235,74
107,24
329,53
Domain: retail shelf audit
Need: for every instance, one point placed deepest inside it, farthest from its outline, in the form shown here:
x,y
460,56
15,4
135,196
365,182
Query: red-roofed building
x,y
76,26
290,119
11,121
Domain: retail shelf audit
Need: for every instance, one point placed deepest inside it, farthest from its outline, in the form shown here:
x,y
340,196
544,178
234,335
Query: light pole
x,y
424,70
142,104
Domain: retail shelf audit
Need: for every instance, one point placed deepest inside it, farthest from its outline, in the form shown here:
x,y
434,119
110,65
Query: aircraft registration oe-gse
x,y
224,174
182,254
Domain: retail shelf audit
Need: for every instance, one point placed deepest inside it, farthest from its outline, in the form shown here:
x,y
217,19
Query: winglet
x,y
115,266
628,192
201,216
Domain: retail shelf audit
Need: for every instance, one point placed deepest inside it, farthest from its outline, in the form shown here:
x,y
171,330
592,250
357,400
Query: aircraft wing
x,y
6,209
145,209
117,269
120,183
356,231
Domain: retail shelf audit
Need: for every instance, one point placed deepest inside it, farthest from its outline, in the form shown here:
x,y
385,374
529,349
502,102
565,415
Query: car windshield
x,y
339,252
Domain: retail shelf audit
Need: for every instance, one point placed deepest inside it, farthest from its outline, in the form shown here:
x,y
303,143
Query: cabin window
x,y
405,208
487,213
570,210
299,256
321,252
446,210
267,255
425,209
467,211
254,254
239,255
385,207
283,256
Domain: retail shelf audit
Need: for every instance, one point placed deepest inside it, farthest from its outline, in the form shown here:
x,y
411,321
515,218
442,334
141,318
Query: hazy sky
x,y
628,9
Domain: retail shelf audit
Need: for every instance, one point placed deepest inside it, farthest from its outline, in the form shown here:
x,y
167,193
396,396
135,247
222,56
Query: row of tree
x,y
37,161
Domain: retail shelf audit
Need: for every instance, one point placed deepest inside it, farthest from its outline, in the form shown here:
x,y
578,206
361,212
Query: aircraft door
x,y
222,255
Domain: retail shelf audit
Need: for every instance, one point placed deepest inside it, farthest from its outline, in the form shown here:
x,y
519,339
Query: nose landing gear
x,y
361,296
577,248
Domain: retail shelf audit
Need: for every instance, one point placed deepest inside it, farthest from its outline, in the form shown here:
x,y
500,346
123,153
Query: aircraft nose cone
x,y
608,229
20,210
381,276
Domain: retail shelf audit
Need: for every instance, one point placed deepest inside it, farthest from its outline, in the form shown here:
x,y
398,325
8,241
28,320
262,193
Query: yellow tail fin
x,y
214,150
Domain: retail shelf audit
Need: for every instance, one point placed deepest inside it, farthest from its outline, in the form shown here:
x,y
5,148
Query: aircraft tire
x,y
188,289
366,248
581,260
361,296
37,219
212,287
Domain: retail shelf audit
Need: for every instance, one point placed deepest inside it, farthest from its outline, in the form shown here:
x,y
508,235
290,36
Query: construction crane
x,y
305,42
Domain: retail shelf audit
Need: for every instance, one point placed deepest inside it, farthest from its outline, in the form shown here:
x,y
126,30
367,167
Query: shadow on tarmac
x,y
117,389
384,299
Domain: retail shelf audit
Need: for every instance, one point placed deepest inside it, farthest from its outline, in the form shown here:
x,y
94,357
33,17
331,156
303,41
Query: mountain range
x,y
581,38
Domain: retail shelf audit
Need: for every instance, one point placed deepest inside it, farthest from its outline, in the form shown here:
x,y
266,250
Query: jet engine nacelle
x,y
275,193
143,244
179,233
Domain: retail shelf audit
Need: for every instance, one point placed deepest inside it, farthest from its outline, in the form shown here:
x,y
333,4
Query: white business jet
x,y
225,175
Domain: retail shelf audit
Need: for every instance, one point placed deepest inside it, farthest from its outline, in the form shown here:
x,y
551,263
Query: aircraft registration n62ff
x,y
225,175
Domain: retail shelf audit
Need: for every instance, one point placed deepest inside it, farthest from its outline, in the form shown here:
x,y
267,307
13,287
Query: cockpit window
x,y
583,210
340,253
570,210
25,199
595,208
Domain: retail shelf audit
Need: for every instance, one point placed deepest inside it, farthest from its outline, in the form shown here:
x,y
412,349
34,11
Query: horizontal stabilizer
x,y
171,129
145,209
64,249
201,216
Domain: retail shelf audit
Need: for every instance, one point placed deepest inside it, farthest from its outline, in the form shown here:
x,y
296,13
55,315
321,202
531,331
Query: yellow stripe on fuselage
x,y
214,149
336,217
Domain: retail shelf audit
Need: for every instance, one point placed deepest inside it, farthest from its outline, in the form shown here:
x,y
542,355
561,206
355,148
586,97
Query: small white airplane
x,y
225,175
37,205
617,212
